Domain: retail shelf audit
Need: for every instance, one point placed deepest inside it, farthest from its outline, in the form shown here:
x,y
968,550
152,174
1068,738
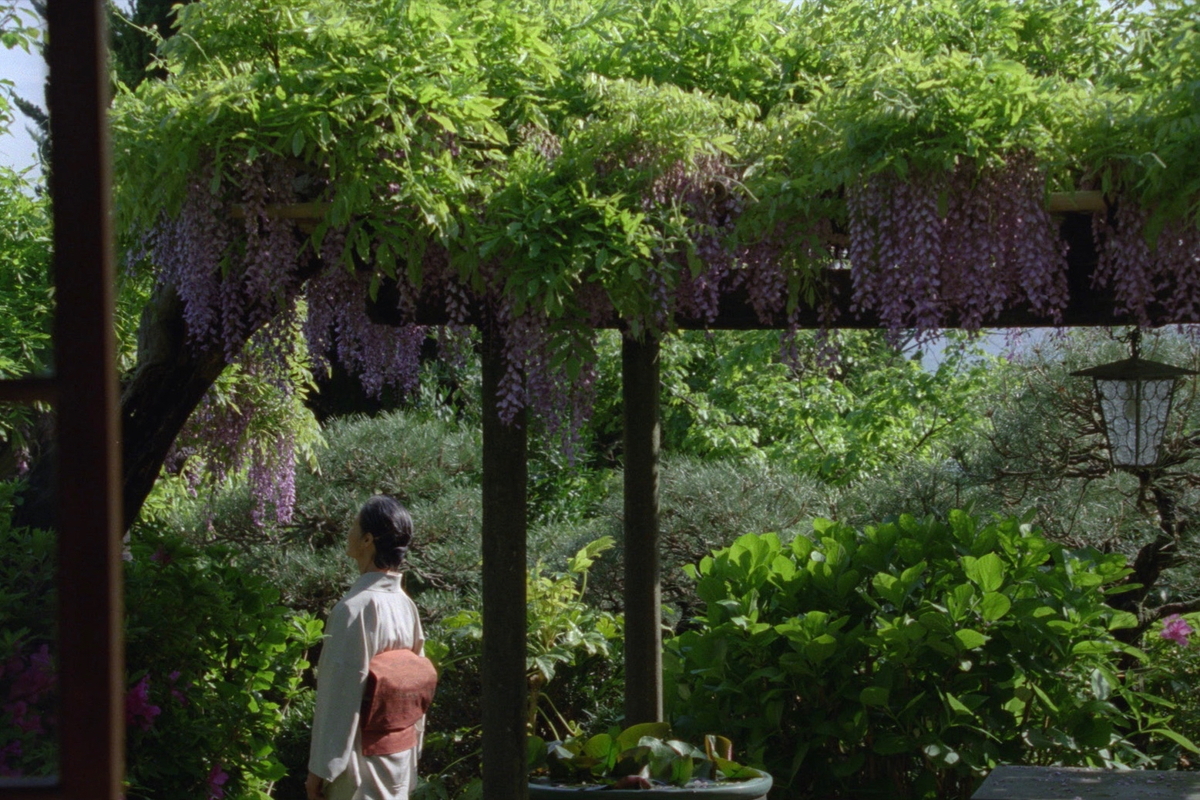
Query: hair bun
x,y
390,526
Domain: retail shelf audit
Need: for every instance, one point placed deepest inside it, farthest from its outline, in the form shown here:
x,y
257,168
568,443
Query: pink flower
x,y
217,778
138,709
12,749
33,678
1176,629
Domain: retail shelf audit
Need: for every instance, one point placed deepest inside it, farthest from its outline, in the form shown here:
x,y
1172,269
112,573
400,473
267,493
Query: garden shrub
x,y
431,466
213,662
705,505
908,658
27,647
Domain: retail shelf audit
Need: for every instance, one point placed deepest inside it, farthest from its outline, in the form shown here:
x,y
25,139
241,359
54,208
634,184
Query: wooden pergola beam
x,y
1086,307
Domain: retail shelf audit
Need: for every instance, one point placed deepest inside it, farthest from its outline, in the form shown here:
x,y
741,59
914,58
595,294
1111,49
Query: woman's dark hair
x,y
391,527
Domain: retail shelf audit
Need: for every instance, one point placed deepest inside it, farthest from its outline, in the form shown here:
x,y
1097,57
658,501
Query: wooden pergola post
x,y
505,689
643,605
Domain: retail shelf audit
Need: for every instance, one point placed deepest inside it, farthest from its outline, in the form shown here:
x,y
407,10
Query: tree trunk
x,y
164,389
1151,560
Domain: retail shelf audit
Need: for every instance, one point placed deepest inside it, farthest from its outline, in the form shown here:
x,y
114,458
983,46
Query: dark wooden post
x,y
505,776
91,662
643,611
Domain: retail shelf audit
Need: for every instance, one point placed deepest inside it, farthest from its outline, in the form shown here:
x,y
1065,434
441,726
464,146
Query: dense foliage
x,y
875,405
1042,451
910,657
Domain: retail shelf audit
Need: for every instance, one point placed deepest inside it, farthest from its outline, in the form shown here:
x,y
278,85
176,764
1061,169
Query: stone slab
x,y
1078,783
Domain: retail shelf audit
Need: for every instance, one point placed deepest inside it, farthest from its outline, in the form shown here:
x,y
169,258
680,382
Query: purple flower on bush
x,y
25,719
32,678
217,778
138,709
176,692
13,750
1176,629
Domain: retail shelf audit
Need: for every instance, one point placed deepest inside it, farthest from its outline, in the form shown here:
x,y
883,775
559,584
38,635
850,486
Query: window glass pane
x,y
28,652
28,682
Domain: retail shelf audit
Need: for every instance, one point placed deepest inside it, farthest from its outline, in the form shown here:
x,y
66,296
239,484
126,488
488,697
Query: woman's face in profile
x,y
358,546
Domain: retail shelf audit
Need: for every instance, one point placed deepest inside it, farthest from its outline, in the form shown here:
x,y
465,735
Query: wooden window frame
x,y
84,392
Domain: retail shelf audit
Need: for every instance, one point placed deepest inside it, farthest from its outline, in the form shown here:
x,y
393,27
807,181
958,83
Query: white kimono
x,y
374,616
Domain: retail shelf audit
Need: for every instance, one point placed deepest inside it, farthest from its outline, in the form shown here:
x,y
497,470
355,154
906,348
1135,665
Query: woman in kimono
x,y
374,616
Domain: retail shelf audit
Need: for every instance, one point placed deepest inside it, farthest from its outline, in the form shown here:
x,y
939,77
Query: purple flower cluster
x,y
177,691
763,265
337,322
971,241
1164,272
215,436
542,141
239,285
272,476
232,276
32,679
534,379
139,711
215,782
706,191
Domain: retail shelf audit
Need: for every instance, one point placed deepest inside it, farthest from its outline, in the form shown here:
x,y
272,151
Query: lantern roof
x,y
1134,369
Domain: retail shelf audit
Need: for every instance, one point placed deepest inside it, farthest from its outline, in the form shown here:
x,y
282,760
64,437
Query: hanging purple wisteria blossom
x,y
381,355
971,242
1143,274
232,275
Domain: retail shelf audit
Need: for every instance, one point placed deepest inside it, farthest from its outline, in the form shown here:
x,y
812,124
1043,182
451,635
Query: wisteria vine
x,y
924,250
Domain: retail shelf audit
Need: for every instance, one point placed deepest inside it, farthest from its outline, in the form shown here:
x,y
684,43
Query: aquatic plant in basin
x,y
642,758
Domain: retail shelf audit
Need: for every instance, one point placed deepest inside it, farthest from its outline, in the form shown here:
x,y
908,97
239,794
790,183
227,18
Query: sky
x,y
27,71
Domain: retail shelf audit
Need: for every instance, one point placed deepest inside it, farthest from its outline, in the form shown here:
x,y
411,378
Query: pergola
x,y
505,475
84,393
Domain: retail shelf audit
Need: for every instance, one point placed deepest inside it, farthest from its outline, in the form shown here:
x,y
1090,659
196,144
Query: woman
x,y
373,617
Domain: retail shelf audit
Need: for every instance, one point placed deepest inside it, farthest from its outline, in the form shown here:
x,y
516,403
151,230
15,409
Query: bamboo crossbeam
x,y
1056,203
1064,202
